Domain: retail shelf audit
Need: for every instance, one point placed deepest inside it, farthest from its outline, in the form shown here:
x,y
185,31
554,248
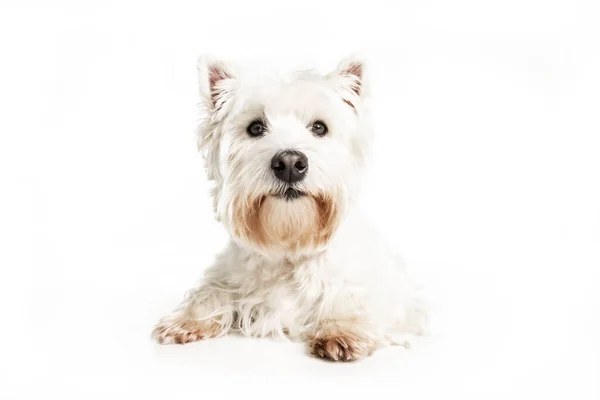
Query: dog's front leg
x,y
342,340
341,331
206,312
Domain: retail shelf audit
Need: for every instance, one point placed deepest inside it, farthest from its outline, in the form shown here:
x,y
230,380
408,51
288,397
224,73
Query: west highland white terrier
x,y
285,154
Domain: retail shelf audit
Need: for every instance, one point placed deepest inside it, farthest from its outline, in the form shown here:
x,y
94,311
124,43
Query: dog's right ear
x,y
216,82
217,86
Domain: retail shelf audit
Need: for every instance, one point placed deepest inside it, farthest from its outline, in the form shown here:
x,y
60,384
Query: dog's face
x,y
285,153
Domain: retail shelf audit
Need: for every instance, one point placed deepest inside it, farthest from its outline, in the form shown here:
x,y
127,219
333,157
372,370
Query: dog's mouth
x,y
290,193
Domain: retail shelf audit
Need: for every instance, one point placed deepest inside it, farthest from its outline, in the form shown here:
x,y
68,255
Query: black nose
x,y
289,165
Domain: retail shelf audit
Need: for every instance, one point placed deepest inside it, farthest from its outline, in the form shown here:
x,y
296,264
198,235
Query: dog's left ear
x,y
350,78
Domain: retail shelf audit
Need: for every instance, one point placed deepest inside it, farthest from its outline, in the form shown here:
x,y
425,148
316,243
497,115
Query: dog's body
x,y
286,156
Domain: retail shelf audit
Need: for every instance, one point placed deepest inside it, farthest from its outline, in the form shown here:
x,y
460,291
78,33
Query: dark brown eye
x,y
319,128
256,128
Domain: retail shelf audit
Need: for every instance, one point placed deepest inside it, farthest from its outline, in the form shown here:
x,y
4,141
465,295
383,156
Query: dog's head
x,y
285,153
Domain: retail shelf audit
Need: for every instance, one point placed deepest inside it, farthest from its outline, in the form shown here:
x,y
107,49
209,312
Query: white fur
x,y
345,282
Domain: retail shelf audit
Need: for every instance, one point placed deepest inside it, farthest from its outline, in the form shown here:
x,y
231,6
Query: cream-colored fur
x,y
308,268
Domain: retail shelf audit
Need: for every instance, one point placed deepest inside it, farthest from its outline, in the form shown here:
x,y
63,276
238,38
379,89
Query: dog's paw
x,y
341,346
181,332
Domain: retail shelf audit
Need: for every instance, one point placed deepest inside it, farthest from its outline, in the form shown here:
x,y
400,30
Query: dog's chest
x,y
294,286
287,294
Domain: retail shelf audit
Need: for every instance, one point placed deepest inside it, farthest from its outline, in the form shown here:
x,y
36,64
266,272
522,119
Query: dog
x,y
286,154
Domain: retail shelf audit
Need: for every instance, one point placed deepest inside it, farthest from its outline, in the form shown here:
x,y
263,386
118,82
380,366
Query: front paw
x,y
169,331
341,346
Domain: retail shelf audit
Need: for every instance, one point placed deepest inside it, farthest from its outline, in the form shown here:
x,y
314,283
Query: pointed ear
x,y
353,69
216,81
349,79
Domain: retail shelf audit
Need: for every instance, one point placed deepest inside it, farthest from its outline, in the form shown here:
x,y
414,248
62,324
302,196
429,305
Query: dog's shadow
x,y
237,354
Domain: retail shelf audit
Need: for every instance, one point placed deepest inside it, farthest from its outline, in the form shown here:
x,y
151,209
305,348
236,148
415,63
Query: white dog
x,y
285,154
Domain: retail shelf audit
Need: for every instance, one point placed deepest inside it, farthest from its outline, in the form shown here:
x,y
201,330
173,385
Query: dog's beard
x,y
286,220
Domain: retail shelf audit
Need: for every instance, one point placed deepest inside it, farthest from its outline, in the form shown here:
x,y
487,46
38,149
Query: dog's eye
x,y
319,128
256,128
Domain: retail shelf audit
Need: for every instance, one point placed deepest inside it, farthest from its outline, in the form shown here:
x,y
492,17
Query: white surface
x,y
486,177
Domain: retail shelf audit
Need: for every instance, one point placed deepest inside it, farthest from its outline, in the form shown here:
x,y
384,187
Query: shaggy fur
x,y
308,268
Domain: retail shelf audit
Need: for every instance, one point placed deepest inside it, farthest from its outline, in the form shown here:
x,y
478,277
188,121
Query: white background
x,y
486,177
